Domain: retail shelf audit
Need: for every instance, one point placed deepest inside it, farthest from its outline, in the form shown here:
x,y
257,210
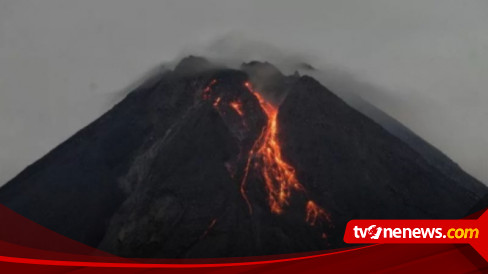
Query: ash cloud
x,y
422,61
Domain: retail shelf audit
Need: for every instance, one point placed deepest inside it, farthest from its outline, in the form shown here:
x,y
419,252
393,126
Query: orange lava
x,y
206,91
315,213
216,103
279,176
237,106
265,157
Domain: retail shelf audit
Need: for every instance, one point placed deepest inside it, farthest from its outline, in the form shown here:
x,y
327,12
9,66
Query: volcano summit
x,y
207,161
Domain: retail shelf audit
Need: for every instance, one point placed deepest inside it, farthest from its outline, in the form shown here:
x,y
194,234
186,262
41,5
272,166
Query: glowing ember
x,y
216,103
315,213
206,91
237,106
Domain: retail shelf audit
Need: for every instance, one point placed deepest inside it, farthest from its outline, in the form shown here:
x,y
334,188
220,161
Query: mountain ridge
x,y
168,171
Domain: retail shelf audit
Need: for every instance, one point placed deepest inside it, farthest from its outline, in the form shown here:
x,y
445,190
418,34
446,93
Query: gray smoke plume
x,y
424,62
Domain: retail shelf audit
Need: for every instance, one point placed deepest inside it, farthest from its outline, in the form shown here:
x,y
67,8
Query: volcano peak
x,y
208,161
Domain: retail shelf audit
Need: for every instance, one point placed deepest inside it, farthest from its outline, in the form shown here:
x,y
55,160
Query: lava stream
x,y
265,156
237,106
315,213
279,176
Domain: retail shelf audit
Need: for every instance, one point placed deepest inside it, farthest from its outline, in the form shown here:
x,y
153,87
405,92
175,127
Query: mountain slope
x,y
372,172
204,161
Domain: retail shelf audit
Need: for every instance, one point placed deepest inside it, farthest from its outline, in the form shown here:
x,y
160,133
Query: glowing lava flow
x,y
265,156
315,213
279,176
237,107
208,89
217,101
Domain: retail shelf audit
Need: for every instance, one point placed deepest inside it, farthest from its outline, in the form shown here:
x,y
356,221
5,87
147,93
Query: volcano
x,y
208,161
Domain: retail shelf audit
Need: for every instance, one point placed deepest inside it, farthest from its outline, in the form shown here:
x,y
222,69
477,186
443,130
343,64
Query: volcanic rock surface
x,y
206,161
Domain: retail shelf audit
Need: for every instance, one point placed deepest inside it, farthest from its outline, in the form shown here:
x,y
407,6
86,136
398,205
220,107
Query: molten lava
x,y
208,89
237,106
217,101
265,157
279,176
315,213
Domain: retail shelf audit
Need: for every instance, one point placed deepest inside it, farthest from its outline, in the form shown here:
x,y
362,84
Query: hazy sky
x,y
63,63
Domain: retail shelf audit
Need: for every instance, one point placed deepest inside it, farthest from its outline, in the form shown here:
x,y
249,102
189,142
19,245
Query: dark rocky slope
x,y
160,175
